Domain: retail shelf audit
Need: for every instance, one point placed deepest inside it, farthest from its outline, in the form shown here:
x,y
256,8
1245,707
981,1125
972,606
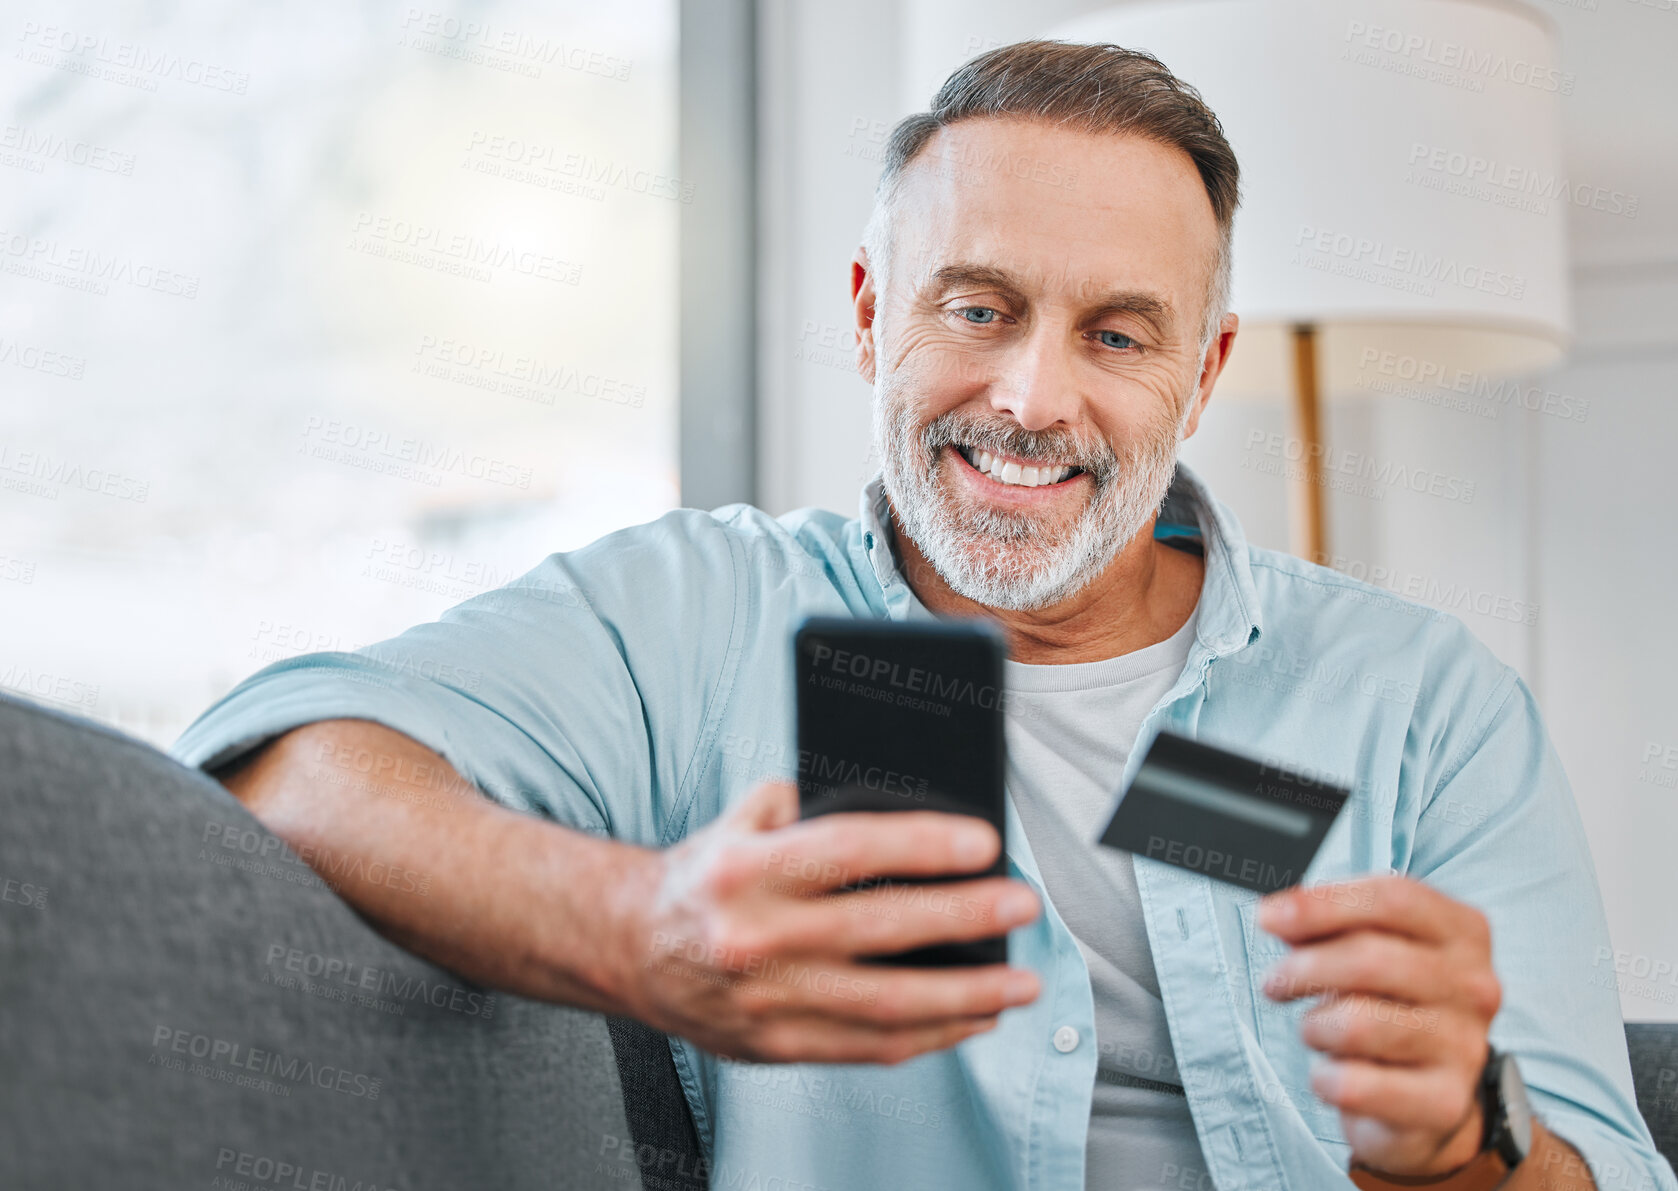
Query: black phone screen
x,y
899,716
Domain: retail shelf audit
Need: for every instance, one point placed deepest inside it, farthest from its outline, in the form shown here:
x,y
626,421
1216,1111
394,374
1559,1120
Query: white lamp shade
x,y
1401,176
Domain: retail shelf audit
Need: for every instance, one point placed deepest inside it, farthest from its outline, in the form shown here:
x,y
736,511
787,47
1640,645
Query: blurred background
x,y
364,313
315,321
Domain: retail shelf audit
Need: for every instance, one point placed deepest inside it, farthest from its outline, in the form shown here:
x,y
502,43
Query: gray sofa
x,y
183,1003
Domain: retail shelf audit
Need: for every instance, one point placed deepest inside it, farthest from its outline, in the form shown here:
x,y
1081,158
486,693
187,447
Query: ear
x,y
1211,365
862,309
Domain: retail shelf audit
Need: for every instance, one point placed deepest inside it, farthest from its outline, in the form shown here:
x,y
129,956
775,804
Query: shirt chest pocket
x,y
1277,1025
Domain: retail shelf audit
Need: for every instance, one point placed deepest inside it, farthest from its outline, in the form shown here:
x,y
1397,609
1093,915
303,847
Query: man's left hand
x,y
1408,995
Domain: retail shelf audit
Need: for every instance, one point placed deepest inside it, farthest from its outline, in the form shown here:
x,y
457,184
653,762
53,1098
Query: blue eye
x,y
1108,338
968,312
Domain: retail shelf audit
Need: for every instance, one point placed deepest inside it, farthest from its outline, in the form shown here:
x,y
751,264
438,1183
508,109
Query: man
x,y
1038,349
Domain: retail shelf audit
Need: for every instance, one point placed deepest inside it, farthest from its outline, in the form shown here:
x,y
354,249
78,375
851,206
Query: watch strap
x,y
1486,1172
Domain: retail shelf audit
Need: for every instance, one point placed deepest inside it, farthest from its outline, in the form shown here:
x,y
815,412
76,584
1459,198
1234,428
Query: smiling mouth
x,y
1013,472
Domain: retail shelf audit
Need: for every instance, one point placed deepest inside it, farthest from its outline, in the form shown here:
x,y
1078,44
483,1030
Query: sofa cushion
x,y
1654,1070
188,1005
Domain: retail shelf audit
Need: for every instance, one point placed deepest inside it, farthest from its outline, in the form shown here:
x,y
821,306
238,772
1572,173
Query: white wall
x,y
1568,546
828,96
1601,517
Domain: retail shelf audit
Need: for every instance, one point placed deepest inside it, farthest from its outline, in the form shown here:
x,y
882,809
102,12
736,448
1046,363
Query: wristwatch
x,y
1503,1098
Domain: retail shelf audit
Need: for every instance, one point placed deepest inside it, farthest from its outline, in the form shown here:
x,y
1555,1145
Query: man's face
x,y
1035,356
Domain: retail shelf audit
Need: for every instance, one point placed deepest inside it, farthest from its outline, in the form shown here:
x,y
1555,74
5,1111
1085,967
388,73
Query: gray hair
x,y
1094,88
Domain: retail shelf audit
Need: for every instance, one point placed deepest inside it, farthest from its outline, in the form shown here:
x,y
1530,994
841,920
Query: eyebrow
x,y
1149,307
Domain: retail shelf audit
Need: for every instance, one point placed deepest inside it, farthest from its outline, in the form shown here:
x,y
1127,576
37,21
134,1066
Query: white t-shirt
x,y
1070,730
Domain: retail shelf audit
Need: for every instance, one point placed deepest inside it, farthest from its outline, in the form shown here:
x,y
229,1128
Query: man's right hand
x,y
725,938
736,939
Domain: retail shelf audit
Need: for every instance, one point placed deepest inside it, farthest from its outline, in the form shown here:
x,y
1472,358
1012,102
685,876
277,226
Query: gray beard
x,y
1004,560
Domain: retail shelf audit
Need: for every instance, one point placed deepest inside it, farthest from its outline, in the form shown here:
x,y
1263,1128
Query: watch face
x,y
1513,1092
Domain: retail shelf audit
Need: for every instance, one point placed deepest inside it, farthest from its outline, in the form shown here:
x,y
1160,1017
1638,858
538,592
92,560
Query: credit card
x,y
1224,815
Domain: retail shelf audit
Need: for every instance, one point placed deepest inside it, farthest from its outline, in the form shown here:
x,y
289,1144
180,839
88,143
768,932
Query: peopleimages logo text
x,y
1414,264
914,679
223,1053
1215,863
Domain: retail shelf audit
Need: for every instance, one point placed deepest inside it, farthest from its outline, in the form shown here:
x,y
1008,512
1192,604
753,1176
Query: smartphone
x,y
896,716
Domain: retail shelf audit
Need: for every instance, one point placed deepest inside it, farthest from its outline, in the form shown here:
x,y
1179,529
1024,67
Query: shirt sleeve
x,y
583,690
1501,832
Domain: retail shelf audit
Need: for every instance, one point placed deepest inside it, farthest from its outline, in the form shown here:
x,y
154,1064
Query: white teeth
x,y
1019,475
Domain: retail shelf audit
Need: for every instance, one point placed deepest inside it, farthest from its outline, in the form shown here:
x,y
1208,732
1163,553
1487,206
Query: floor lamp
x,y
1394,156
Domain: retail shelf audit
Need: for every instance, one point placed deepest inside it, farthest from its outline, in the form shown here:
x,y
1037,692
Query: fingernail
x,y
1277,910
972,845
1016,905
1022,986
1324,1076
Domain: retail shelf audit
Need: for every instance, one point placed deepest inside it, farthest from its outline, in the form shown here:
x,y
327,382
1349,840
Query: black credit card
x,y
1224,815
896,716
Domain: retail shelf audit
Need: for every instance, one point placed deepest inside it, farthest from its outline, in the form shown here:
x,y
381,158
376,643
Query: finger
x,y
1365,961
919,995
893,917
1381,1029
831,851
770,806
878,995
1398,904
814,1039
1432,1099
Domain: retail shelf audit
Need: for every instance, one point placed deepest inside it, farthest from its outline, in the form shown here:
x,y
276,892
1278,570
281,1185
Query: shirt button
x,y
1066,1039
868,541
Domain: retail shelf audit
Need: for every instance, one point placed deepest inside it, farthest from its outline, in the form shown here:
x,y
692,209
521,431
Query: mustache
x,y
1004,437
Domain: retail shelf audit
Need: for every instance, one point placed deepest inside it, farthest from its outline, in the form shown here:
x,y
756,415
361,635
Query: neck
x,y
1144,596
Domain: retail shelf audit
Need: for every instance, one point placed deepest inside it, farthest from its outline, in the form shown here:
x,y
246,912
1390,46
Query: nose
x,y
1037,385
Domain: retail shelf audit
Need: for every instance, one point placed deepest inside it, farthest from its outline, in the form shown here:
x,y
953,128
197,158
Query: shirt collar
x,y
1230,617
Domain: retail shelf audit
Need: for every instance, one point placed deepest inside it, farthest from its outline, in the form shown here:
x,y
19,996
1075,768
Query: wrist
x,y
615,957
580,913
1500,1126
1464,1146
1460,1151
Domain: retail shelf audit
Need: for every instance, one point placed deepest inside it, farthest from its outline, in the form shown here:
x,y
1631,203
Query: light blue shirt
x,y
640,685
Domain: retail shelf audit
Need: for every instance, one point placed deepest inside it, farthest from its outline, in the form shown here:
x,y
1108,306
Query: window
x,y
317,320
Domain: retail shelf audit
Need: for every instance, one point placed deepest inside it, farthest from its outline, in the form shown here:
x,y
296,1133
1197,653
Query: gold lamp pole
x,y
1310,538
